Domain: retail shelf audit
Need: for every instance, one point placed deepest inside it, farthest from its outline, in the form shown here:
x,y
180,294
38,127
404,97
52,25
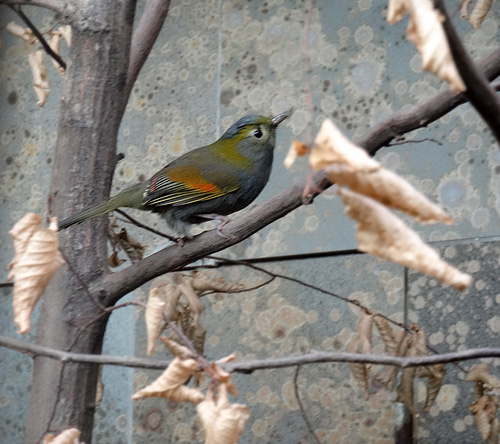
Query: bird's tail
x,y
122,199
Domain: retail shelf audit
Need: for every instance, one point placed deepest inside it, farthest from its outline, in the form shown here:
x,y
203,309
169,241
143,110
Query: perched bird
x,y
209,182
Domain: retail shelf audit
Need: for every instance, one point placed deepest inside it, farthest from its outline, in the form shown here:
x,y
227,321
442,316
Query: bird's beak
x,y
280,117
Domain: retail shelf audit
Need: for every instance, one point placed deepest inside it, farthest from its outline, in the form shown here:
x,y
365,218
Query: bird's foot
x,y
222,219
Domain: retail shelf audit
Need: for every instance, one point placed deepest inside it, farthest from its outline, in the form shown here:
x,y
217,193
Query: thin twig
x,y
301,407
39,36
141,225
405,142
259,364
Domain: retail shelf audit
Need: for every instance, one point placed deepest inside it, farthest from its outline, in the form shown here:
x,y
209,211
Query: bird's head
x,y
255,130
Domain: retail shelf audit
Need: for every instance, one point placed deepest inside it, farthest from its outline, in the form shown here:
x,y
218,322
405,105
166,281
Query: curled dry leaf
x,y
41,81
435,375
201,282
391,190
464,8
382,234
69,436
480,373
331,146
65,32
170,294
485,411
155,322
24,33
297,149
21,233
55,45
33,271
481,8
114,261
387,335
170,384
358,369
364,328
426,32
192,297
388,374
132,247
222,421
178,350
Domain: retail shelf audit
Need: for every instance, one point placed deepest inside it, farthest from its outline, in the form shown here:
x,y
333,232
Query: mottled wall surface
x,y
214,62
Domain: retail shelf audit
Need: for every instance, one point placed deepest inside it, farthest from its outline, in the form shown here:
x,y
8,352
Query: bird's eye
x,y
257,133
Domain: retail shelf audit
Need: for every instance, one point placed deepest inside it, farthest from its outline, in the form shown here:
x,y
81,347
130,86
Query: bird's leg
x,y
222,219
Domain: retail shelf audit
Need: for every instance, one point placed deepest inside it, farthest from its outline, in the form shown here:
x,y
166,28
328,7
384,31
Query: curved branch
x,y
422,115
113,286
61,6
143,39
479,92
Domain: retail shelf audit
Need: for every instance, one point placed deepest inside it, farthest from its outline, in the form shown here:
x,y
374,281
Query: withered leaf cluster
x,y
222,421
367,190
121,240
395,344
476,17
485,406
41,80
180,303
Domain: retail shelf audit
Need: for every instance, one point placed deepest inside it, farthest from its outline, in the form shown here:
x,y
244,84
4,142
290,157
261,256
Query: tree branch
x,y
63,7
419,116
143,39
479,92
314,357
114,286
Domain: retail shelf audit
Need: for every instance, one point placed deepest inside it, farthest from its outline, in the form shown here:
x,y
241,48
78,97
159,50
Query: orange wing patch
x,y
192,179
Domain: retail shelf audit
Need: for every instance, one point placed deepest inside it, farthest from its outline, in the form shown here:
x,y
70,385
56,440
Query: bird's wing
x,y
183,185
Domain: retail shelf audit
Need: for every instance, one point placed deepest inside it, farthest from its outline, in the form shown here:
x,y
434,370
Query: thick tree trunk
x,y
63,395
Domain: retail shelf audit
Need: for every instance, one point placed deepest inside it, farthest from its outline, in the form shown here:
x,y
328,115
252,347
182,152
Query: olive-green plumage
x,y
214,180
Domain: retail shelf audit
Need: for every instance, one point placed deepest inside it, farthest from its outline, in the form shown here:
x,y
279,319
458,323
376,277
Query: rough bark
x,y
63,395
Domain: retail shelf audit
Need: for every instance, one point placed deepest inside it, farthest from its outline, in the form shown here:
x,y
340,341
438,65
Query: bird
x,y
207,183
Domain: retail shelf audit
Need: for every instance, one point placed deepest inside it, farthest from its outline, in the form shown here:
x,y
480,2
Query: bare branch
x,y
479,92
114,286
301,407
422,115
258,364
61,6
143,39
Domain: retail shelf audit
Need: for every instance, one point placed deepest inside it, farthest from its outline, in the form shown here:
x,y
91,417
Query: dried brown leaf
x,y
391,190
435,375
387,335
297,149
24,33
359,370
365,328
331,146
41,81
55,45
201,282
114,261
222,421
33,272
69,436
170,384
21,233
65,32
484,411
464,8
481,8
155,323
389,373
480,373
382,234
494,432
178,350
170,294
192,297
426,32
100,387
132,247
